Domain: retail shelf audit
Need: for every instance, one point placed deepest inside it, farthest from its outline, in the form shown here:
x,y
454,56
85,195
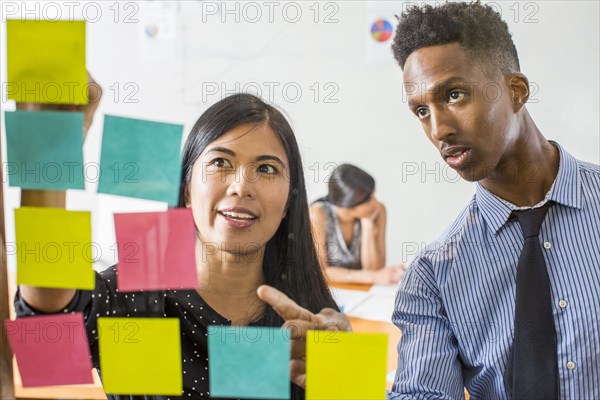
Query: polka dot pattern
x,y
193,312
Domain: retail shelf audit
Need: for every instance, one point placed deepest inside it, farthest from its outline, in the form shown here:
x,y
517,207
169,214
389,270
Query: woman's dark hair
x,y
291,264
349,186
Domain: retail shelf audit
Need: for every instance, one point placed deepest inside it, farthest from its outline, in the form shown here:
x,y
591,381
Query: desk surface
x,y
368,326
88,392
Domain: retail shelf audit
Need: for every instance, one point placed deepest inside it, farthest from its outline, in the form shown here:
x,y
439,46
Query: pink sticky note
x,y
51,350
156,250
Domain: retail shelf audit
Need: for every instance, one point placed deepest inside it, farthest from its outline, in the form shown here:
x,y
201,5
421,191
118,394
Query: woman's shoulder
x,y
321,206
109,275
318,212
319,202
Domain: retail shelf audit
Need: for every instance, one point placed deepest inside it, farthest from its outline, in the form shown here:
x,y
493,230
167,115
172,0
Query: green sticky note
x,y
54,248
344,365
140,159
44,149
140,356
46,62
249,362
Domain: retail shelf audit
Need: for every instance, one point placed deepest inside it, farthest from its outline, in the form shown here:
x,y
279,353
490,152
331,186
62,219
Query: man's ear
x,y
519,89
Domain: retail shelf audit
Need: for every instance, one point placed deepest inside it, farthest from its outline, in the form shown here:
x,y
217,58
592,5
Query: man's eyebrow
x,y
439,87
443,85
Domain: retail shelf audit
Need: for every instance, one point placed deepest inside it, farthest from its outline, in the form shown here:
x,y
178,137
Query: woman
x,y
242,177
349,227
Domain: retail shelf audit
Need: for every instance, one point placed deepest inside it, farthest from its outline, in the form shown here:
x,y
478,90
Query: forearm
x,y
47,300
372,247
44,198
427,340
345,275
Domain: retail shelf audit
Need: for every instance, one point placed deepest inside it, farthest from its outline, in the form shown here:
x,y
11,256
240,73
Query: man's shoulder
x,y
589,170
443,246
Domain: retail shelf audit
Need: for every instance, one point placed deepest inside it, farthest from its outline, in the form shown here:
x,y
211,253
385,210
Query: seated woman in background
x,y
349,227
242,177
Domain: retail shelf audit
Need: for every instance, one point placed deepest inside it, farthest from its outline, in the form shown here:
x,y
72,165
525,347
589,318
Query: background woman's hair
x,y
291,264
350,186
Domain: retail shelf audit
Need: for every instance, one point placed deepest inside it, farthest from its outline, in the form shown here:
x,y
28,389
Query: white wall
x,y
200,55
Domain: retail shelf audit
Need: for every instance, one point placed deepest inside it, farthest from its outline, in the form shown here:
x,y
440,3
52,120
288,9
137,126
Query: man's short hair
x,y
478,28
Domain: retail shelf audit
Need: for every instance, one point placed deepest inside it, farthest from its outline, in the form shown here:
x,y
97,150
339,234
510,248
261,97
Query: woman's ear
x,y
519,88
285,211
186,196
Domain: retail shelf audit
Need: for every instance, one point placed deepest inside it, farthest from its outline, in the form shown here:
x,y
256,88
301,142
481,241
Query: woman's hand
x,y
389,275
299,320
375,208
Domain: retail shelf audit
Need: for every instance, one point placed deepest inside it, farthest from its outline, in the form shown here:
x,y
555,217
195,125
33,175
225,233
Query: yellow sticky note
x,y
54,248
344,365
46,62
140,356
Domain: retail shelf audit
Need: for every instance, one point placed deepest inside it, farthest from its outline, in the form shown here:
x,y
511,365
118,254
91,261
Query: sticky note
x,y
156,250
344,365
140,356
51,350
140,159
249,362
46,62
45,149
54,248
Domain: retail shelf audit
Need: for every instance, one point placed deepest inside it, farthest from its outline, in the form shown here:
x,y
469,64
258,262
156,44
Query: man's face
x,y
467,114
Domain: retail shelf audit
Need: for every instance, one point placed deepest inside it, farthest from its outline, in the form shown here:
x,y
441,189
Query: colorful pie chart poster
x,y
382,30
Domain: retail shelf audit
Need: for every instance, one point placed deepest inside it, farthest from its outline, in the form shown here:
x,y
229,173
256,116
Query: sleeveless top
x,y
338,253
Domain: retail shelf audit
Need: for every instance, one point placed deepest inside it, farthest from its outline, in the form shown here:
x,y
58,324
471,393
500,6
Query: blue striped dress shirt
x,y
455,307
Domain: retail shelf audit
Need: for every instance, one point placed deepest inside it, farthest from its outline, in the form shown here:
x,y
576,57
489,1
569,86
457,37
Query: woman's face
x,y
239,189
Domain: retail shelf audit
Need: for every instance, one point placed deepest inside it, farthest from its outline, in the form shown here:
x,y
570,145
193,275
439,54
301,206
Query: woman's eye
x,y
455,96
267,169
220,163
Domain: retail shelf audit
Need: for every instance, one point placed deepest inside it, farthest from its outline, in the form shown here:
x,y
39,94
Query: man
x,y
456,306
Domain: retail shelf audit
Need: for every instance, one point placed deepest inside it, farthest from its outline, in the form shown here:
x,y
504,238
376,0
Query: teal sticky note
x,y
249,362
140,159
44,149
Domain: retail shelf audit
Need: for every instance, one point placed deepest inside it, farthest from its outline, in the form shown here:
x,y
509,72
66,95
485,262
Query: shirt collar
x,y
565,190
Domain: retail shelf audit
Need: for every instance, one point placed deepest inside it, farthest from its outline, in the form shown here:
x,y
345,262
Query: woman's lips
x,y
238,218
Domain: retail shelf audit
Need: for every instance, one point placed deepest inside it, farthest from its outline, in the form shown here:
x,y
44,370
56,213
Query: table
x,y
363,325
368,326
86,392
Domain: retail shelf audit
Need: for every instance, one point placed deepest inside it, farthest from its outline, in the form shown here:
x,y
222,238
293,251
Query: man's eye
x,y
422,112
267,169
455,96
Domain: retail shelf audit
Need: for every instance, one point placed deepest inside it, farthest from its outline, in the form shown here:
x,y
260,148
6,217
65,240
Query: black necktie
x,y
532,373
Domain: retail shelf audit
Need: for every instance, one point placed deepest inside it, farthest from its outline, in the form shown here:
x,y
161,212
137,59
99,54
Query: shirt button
x,y
547,245
571,365
563,304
